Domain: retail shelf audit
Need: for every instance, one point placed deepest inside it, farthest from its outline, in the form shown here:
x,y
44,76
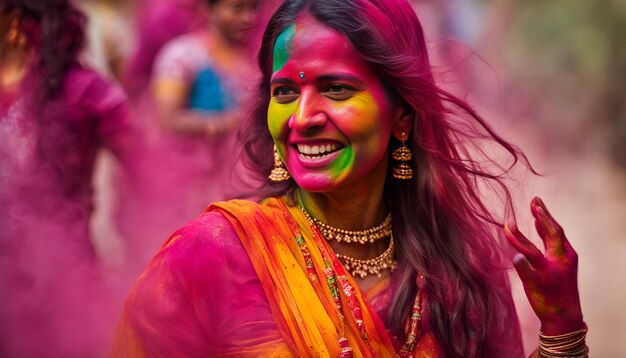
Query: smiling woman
x,y
371,239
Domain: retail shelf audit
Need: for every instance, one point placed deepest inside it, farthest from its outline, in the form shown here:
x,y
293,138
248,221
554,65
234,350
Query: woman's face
x,y
329,114
235,19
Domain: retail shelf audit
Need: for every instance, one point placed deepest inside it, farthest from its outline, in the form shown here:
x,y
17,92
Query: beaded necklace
x,y
336,278
360,267
373,266
361,236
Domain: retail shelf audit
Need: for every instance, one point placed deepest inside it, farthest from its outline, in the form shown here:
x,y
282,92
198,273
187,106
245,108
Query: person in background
x,y
200,79
373,238
55,115
200,88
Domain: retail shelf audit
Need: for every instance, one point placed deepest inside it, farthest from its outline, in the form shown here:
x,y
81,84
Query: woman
x,y
54,117
372,240
200,88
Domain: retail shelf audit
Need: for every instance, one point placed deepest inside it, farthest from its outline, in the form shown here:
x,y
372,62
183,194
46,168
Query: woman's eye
x,y
285,94
338,92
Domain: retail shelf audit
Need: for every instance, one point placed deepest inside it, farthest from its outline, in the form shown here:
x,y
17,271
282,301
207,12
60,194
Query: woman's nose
x,y
249,17
309,114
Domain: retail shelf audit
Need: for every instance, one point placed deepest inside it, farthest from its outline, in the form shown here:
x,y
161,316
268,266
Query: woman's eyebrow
x,y
341,77
281,80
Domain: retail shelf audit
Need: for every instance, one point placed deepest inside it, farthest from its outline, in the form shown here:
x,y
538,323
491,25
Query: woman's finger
x,y
548,229
524,269
566,244
523,245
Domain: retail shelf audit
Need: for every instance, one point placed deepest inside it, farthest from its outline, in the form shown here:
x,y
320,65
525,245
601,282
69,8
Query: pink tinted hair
x,y
444,228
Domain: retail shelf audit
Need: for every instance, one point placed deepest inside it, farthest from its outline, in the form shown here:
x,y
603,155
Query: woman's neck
x,y
348,209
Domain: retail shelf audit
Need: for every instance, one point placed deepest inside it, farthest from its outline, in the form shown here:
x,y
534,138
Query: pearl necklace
x,y
349,236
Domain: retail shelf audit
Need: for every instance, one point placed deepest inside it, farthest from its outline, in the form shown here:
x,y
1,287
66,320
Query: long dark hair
x,y
442,224
54,29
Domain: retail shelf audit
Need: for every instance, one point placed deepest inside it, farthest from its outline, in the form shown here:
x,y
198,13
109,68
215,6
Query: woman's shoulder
x,y
196,259
199,294
190,46
81,76
210,237
181,57
93,90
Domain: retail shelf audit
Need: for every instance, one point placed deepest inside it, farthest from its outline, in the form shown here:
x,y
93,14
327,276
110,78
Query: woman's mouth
x,y
315,155
317,151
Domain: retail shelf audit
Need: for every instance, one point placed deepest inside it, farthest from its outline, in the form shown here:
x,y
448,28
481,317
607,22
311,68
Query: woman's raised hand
x,y
550,278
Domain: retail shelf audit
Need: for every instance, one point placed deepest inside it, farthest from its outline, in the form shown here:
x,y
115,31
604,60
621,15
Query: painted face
x,y
235,18
329,114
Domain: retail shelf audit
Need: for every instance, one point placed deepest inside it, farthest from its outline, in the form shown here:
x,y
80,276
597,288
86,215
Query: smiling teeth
x,y
316,149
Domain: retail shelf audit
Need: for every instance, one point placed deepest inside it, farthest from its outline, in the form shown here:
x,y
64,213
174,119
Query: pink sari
x,y
236,281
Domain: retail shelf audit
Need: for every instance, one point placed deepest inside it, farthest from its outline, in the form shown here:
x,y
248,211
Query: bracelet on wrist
x,y
568,345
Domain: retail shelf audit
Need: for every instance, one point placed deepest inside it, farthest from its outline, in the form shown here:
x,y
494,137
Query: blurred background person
x,y
197,95
54,116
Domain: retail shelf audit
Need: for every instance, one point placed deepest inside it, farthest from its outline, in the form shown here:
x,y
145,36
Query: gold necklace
x,y
373,266
361,236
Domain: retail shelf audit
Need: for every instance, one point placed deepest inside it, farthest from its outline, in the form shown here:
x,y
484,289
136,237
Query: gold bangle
x,y
568,345
563,336
563,345
580,353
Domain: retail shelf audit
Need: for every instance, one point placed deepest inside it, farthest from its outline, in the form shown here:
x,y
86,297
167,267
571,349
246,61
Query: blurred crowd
x,y
119,119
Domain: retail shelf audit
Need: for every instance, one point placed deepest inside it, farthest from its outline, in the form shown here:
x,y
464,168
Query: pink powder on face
x,y
341,105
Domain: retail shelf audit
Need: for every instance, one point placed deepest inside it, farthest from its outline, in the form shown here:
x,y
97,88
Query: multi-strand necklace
x,y
360,267
337,282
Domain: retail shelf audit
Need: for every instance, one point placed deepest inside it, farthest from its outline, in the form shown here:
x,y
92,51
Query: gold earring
x,y
14,37
279,173
402,154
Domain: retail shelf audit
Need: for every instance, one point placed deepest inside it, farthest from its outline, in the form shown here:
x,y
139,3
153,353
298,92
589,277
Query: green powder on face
x,y
281,47
343,161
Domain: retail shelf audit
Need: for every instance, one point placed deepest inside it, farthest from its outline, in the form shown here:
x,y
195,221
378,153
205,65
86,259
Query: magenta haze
x,y
54,300
57,302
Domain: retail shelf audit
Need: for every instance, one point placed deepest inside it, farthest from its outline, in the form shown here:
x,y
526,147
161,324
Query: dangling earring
x,y
279,173
14,37
403,154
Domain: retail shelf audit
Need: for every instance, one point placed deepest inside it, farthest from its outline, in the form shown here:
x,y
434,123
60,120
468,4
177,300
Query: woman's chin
x,y
316,182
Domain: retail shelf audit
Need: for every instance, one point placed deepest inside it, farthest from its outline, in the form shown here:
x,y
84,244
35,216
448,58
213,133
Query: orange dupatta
x,y
280,243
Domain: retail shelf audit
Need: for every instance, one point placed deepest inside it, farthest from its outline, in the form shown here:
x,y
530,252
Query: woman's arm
x,y
171,100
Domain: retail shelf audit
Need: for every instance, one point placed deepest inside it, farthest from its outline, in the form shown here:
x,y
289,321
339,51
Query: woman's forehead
x,y
309,40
